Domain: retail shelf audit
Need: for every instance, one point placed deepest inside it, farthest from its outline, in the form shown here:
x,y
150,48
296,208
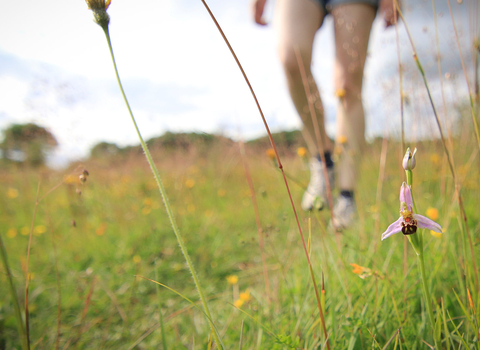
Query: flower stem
x,y
417,243
165,199
428,298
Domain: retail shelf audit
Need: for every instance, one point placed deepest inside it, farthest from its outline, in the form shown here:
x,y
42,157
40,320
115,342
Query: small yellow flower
x,y
432,213
221,192
302,152
342,139
190,183
38,230
191,208
136,259
100,231
435,158
25,231
435,234
146,210
270,153
340,93
232,279
238,303
245,296
11,233
148,202
12,193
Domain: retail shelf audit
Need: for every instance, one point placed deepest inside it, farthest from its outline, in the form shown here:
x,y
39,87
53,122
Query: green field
x,y
91,241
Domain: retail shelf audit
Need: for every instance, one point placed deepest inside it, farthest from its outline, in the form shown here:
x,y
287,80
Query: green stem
x,y
417,242
165,199
16,305
428,299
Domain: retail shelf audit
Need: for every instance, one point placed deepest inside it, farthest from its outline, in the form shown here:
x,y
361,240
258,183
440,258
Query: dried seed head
x,y
99,8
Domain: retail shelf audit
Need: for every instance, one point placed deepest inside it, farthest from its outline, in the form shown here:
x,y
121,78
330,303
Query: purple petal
x,y
396,227
406,197
424,222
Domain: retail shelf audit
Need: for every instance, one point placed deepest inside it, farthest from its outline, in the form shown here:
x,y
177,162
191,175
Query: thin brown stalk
x,y
257,217
85,310
279,165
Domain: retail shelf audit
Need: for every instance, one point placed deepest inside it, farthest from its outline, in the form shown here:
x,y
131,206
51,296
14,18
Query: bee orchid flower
x,y
408,222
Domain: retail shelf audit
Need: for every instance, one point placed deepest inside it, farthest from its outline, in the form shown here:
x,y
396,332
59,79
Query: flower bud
x,y
409,159
99,8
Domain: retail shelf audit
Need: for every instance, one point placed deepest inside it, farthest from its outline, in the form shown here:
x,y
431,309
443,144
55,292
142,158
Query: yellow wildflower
x,y
342,139
432,213
11,233
12,193
271,153
190,183
238,303
136,259
435,158
245,296
302,152
38,230
100,231
221,192
340,93
232,279
25,231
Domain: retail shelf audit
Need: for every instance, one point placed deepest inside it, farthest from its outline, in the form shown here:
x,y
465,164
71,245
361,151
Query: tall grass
x,y
90,246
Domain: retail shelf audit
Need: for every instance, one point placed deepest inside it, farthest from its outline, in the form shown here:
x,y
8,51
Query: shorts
x,y
328,5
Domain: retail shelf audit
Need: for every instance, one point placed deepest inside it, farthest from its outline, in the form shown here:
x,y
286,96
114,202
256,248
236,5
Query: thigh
x,y
353,23
297,22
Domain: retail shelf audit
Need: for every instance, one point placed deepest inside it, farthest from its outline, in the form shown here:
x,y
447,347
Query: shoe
x,y
344,213
316,194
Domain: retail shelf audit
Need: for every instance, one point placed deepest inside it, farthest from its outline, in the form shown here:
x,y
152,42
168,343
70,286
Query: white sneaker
x,y
344,213
316,194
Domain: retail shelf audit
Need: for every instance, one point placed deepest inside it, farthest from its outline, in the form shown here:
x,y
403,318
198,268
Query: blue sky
x,y
55,70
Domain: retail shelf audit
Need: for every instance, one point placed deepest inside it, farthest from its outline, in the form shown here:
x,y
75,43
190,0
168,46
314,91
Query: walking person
x,y
298,21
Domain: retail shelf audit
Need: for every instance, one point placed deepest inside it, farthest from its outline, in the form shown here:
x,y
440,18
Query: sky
x,y
56,71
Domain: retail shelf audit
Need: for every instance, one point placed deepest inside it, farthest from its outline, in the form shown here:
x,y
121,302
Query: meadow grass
x,y
117,229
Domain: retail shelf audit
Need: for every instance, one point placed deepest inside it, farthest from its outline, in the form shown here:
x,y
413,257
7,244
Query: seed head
x,y
99,8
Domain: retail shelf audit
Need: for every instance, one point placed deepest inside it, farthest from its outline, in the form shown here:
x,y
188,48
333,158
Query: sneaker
x,y
316,194
344,213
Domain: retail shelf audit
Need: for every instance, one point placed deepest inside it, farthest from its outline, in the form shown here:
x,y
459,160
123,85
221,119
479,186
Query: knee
x,y
348,84
290,64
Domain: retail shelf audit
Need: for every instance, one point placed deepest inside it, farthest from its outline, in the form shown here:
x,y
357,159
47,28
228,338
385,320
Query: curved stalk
x,y
165,199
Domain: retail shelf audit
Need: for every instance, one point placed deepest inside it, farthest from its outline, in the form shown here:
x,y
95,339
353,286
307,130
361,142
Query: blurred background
x,y
56,71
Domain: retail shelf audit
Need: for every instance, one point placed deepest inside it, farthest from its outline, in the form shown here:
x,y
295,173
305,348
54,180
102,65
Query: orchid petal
x,y
406,197
396,227
424,222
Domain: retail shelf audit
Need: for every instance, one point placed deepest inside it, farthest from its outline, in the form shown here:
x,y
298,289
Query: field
x,y
94,244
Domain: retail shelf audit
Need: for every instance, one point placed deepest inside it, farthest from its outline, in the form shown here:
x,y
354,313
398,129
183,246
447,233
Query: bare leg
x,y
298,21
352,30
